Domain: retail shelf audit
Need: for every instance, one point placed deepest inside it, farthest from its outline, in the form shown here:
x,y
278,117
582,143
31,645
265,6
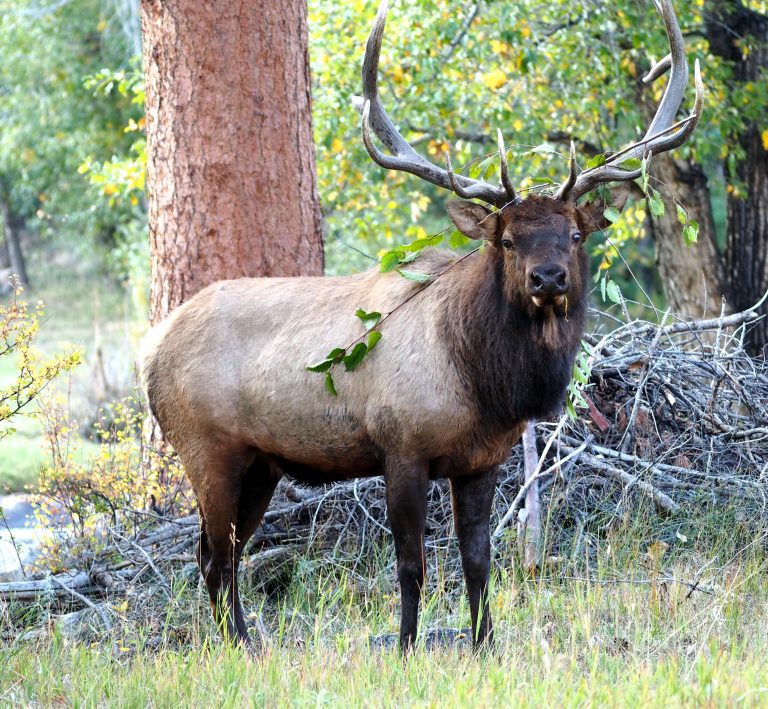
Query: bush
x,y
118,487
19,325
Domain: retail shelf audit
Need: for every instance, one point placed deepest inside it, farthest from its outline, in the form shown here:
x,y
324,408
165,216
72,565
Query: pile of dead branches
x,y
677,426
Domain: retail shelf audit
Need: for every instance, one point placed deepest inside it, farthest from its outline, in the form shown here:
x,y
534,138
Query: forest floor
x,y
616,637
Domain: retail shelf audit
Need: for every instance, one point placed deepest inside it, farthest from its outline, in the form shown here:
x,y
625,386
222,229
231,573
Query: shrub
x,y
19,324
87,494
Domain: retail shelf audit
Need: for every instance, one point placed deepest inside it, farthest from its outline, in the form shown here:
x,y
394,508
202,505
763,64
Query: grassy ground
x,y
624,634
83,309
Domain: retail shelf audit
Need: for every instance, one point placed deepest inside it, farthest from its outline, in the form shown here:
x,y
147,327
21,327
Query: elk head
x,y
540,238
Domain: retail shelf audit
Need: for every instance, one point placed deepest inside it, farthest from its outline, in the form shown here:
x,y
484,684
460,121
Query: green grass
x,y
560,641
21,455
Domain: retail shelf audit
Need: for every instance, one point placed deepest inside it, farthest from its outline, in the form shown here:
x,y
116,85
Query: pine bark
x,y
231,165
731,26
693,276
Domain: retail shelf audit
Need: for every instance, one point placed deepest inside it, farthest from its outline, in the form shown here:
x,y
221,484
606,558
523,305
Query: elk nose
x,y
548,280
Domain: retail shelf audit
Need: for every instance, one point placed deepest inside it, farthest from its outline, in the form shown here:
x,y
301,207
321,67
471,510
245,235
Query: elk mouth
x,y
550,300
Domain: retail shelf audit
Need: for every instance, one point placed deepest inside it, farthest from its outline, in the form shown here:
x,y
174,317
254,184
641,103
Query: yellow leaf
x,y
337,146
397,73
517,124
499,47
764,136
495,79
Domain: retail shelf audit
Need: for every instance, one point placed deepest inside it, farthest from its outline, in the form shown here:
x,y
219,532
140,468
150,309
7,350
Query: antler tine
x,y
565,189
403,157
658,69
506,183
455,184
678,78
663,133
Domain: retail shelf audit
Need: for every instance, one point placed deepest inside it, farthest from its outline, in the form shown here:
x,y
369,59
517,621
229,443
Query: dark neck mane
x,y
514,361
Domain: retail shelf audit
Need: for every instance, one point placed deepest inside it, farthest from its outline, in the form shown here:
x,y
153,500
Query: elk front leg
x,y
472,497
406,484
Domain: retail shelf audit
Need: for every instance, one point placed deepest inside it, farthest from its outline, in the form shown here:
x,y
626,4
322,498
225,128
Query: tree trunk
x,y
231,164
693,276
13,244
730,28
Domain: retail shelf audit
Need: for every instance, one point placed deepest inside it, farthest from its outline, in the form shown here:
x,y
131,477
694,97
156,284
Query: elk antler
x,y
664,133
403,157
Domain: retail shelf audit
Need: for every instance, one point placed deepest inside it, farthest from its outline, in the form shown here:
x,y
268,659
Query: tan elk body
x,y
463,362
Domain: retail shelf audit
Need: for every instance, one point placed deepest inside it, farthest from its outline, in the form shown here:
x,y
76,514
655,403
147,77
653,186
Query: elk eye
x,y
576,237
506,243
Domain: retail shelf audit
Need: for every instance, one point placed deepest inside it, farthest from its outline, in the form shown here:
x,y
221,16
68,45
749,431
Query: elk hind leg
x,y
256,492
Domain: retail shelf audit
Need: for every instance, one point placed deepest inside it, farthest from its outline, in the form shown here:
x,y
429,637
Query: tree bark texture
x,y
693,276
13,243
231,165
730,26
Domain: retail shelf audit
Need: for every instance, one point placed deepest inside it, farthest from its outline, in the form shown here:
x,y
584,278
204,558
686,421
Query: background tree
x,y
231,163
51,121
738,35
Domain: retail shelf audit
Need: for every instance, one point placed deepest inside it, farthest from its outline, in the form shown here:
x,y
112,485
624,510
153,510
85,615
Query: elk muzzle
x,y
547,284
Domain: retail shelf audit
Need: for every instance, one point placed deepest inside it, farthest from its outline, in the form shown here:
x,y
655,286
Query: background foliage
x,y
72,151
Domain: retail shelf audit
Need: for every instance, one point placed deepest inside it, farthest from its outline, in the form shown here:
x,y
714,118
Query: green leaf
x,y
391,260
644,176
612,214
333,357
631,164
369,320
580,376
410,258
682,217
419,244
336,354
578,399
544,149
373,338
691,233
330,387
542,180
603,284
323,366
596,161
355,358
415,276
613,292
655,203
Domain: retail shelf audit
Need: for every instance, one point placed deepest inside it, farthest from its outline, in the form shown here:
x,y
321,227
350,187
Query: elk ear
x,y
473,220
593,214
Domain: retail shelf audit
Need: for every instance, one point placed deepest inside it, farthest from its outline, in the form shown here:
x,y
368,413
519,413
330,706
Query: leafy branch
x,y
354,354
351,356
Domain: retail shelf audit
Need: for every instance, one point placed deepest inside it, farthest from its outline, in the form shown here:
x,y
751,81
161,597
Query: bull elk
x,y
487,346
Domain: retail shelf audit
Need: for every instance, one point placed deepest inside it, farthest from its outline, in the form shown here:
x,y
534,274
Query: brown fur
x,y
446,393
